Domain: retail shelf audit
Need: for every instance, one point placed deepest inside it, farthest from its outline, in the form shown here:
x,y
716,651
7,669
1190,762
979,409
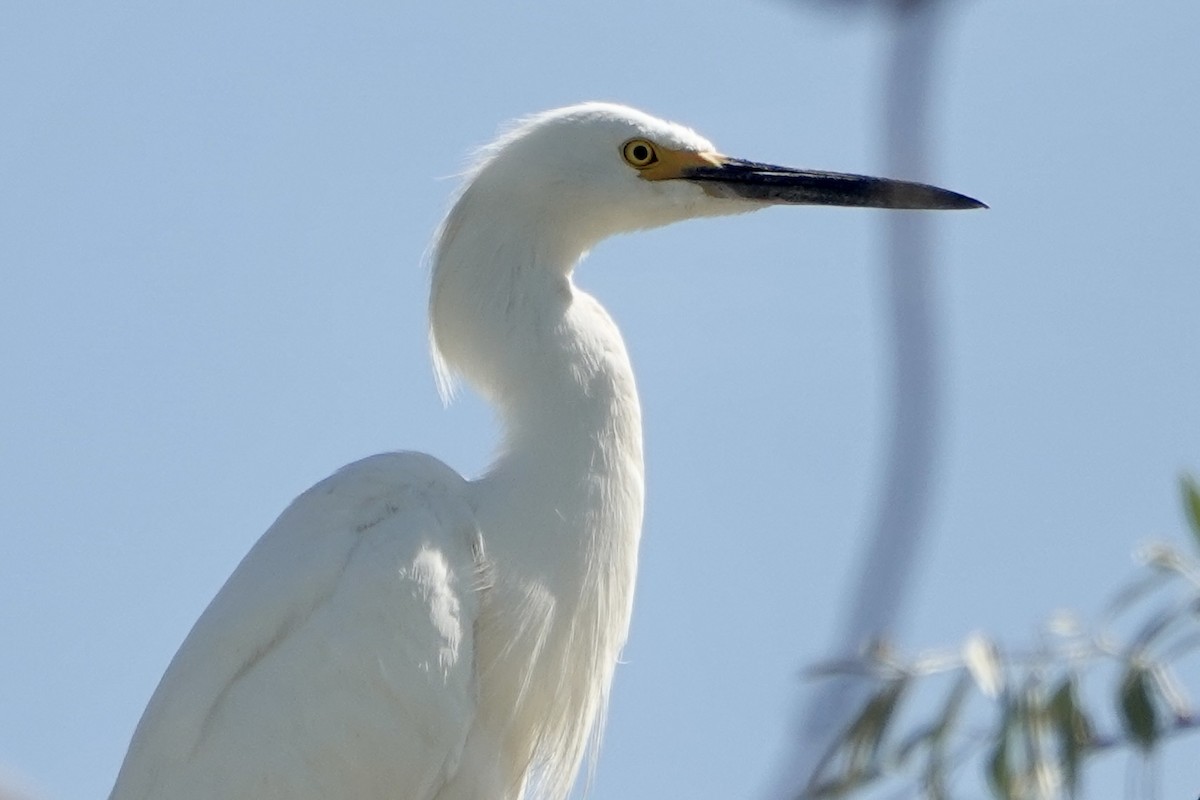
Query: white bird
x,y
403,633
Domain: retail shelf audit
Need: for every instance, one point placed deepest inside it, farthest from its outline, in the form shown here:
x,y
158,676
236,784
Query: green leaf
x,y
934,777
853,760
1191,504
1069,714
1073,728
865,734
1137,706
1002,772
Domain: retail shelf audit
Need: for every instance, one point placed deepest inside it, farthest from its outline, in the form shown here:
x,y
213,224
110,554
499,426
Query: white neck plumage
x,y
550,359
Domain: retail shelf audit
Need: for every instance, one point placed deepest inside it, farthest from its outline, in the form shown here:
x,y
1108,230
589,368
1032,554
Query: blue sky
x,y
212,223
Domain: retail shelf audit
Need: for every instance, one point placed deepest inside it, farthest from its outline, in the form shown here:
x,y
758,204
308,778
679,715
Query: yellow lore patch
x,y
657,163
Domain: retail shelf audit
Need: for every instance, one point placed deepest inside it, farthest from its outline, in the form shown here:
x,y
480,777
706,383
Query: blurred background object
x,y
876,600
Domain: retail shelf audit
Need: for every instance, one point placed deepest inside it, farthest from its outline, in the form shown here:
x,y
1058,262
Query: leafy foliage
x,y
1043,729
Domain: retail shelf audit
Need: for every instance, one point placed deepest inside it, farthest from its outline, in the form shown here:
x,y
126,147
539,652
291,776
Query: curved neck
x,y
573,410
560,511
506,316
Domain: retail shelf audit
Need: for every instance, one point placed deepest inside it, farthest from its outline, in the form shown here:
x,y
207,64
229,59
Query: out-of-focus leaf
x,y
938,738
840,667
865,734
854,758
1065,624
934,781
1172,691
1047,776
1073,728
1002,772
1191,505
953,706
1035,720
1137,706
982,658
914,741
1162,556
1069,714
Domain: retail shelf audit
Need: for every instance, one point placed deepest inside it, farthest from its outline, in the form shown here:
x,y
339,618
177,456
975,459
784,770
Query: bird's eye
x,y
639,153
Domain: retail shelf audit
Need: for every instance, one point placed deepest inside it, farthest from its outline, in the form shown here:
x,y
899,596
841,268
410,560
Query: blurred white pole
x,y
873,610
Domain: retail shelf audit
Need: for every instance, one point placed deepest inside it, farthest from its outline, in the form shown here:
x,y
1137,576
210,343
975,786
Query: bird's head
x,y
557,183
593,170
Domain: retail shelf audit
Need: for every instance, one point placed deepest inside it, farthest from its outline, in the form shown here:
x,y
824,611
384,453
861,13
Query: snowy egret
x,y
401,632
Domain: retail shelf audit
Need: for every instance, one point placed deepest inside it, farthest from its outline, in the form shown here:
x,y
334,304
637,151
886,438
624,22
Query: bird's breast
x,y
554,616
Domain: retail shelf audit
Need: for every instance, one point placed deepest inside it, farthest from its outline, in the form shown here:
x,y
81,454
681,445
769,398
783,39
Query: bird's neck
x,y
572,454
507,317
560,512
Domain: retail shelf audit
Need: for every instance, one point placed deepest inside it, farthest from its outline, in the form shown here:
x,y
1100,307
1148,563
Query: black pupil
x,y
640,152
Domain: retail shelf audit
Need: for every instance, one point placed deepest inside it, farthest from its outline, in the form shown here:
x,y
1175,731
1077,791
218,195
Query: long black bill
x,y
771,184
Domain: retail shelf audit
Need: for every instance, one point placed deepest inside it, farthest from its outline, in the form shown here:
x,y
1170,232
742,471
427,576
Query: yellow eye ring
x,y
639,153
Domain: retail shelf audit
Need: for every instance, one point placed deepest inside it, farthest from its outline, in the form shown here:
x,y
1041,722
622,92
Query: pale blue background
x,y
212,222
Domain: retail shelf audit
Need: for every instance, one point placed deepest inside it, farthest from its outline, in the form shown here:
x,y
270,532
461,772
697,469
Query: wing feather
x,y
337,660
